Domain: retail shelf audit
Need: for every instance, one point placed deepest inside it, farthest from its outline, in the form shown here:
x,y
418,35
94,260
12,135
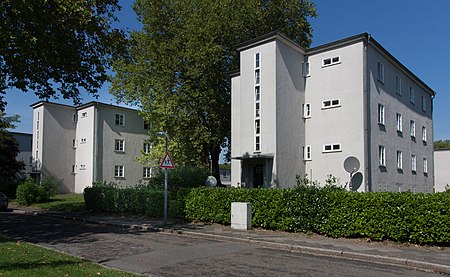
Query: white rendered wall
x,y
85,148
441,169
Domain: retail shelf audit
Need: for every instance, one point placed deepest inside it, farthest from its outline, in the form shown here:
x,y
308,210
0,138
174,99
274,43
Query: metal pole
x,y
165,184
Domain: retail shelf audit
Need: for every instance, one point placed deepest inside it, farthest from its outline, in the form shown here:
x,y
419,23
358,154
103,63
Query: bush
x,y
47,189
138,200
9,187
180,177
26,192
405,217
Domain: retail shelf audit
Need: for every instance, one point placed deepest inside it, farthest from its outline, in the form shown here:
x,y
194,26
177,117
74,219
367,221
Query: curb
x,y
402,262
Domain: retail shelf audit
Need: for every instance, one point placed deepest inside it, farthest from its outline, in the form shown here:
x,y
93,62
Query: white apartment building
x,y
91,142
442,169
303,112
25,142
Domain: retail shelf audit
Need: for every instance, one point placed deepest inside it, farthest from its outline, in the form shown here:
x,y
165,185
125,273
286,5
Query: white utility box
x,y
241,215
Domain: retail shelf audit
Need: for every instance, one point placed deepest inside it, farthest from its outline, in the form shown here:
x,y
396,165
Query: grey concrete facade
x,y
91,142
319,106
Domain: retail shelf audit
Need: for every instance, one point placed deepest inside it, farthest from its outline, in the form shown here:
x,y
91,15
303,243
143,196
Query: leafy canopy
x,y
177,67
9,149
442,144
57,46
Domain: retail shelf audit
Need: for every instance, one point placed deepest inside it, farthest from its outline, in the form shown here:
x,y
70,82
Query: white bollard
x,y
241,215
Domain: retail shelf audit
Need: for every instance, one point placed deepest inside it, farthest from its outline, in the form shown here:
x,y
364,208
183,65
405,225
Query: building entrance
x,y
258,176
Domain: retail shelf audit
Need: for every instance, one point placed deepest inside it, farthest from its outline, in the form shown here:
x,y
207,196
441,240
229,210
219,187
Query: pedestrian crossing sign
x,y
167,162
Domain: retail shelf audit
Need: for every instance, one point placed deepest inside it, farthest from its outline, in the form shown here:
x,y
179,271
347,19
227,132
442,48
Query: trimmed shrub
x,y
138,200
47,189
180,177
406,217
26,192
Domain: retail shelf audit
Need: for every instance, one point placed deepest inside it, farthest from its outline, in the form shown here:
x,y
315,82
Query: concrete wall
x,y
441,169
342,125
85,141
389,178
25,142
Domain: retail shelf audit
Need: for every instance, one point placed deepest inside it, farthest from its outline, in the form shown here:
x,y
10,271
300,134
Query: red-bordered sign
x,y
167,162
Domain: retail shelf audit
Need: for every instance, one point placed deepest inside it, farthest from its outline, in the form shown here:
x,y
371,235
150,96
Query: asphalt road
x,y
161,254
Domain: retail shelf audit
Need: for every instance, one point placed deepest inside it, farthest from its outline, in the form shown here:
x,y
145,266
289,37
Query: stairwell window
x,y
257,60
119,171
257,109
257,77
257,126
382,155
257,143
307,110
381,114
380,77
257,93
307,152
120,119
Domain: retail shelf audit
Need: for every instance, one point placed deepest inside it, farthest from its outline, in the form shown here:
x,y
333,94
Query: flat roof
x,y
81,106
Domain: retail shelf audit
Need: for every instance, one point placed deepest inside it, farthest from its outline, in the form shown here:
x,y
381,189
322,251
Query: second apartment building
x,y
91,142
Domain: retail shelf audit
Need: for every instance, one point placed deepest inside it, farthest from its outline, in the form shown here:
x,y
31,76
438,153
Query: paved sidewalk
x,y
423,257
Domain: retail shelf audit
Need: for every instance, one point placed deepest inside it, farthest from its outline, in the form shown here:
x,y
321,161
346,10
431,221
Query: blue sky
x,y
416,32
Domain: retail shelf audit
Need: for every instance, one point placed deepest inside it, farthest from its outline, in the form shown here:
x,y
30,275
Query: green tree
x,y
9,149
57,47
442,144
177,67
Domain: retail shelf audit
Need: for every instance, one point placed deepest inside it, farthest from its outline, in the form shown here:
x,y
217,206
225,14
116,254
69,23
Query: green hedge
x,y
406,217
137,200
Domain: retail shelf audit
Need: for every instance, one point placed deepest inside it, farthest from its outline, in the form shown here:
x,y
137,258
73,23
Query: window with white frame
x,y
82,167
413,162
380,114
399,160
74,143
257,93
331,103
257,143
412,128
147,147
380,72
73,169
399,123
257,109
84,114
425,166
424,104
307,152
257,126
412,95
119,145
83,140
424,134
331,61
305,69
332,148
398,85
74,117
307,110
120,119
257,77
257,60
119,171
147,172
382,155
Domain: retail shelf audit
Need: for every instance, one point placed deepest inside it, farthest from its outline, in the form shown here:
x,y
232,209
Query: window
x,y
380,72
399,123
147,125
257,110
305,69
147,172
257,143
74,143
412,127
73,168
119,171
412,95
120,119
413,163
424,104
119,145
84,114
37,125
257,77
380,114
83,140
382,155
331,61
332,147
307,110
82,167
424,134
257,62
307,152
147,147
257,126
425,166
399,160
257,93
331,103
398,85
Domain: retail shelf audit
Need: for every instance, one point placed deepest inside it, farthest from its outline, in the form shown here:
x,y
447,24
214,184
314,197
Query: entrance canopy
x,y
248,156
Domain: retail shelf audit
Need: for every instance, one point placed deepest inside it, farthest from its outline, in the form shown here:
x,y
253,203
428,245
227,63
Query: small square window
x,y
83,140
119,145
147,147
119,171
120,119
84,114
147,172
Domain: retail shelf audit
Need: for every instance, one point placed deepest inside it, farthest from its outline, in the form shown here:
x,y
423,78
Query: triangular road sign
x,y
167,162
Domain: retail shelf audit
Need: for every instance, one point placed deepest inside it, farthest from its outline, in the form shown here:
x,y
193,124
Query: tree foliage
x,y
177,68
57,47
442,144
9,149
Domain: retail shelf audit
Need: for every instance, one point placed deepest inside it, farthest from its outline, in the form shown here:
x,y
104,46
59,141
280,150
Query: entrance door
x,y
258,175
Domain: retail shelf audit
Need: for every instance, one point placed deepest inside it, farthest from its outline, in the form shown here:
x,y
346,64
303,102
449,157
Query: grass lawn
x,y
23,259
62,202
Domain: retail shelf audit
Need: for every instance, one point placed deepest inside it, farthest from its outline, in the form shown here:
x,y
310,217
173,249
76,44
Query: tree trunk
x,y
215,154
